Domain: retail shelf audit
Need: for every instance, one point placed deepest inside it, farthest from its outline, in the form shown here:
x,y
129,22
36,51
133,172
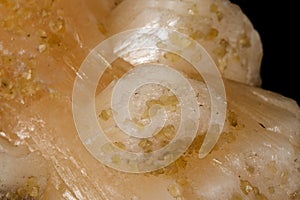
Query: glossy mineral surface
x,y
44,42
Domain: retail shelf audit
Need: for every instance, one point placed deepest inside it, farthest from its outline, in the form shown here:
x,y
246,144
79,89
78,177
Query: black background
x,y
276,22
